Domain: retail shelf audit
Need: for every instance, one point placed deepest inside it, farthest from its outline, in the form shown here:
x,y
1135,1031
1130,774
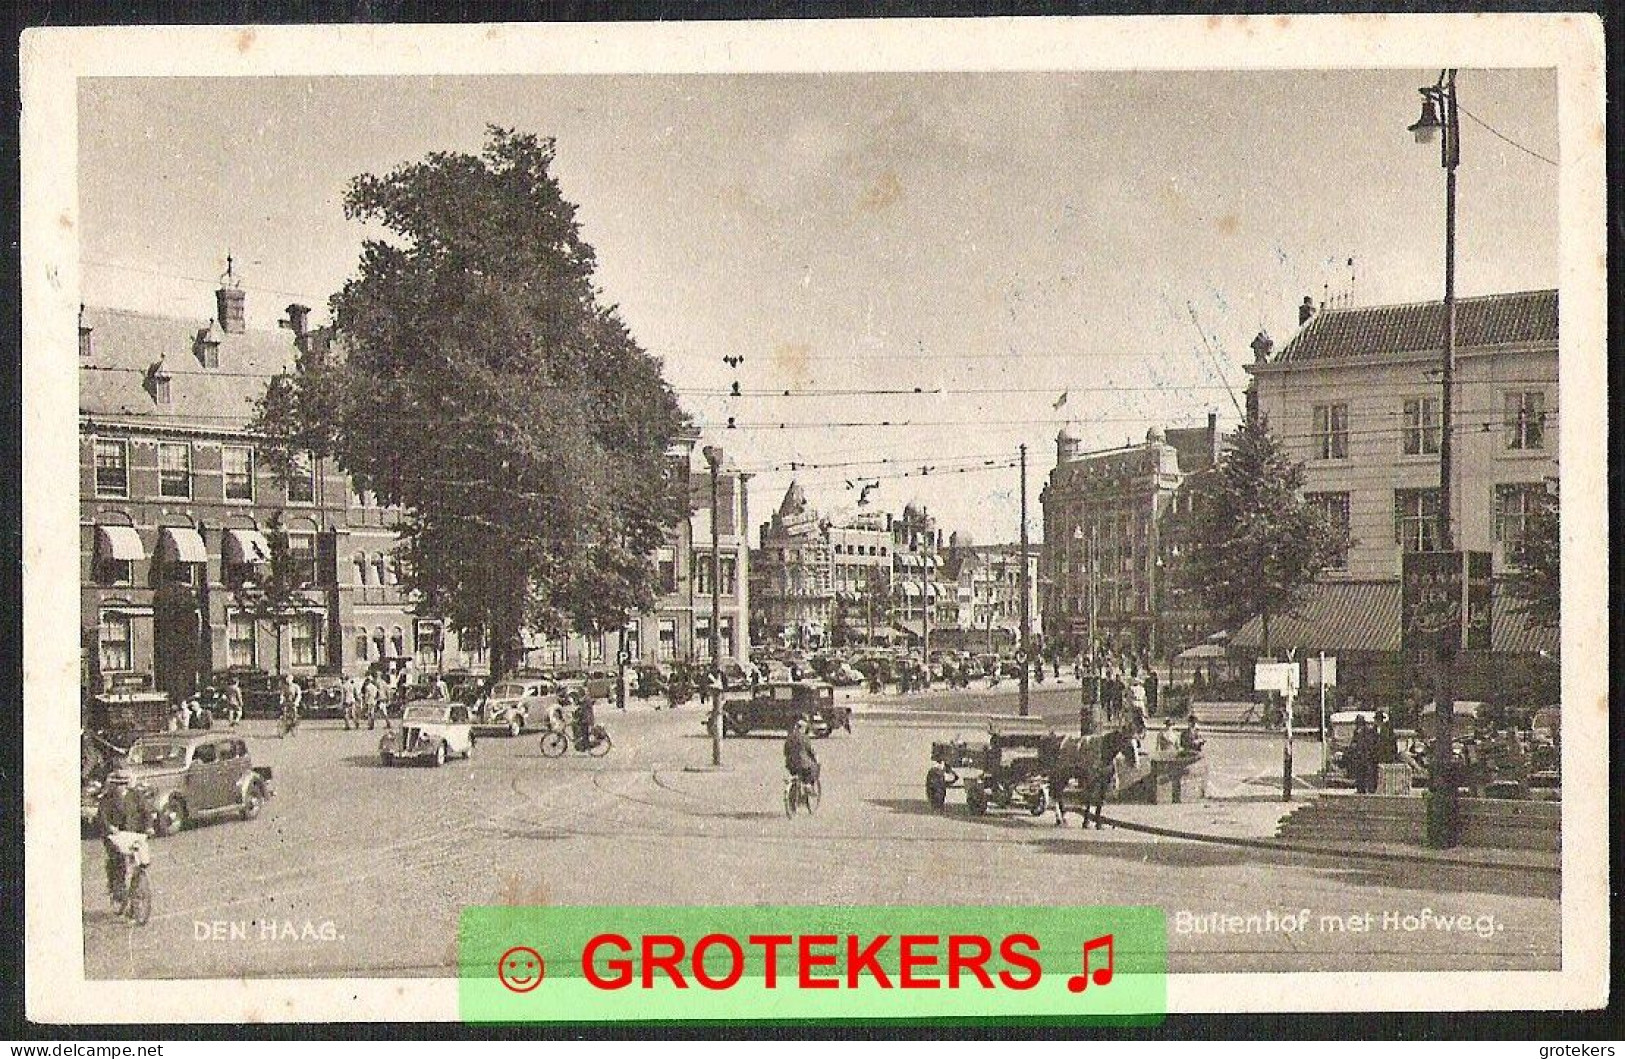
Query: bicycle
x,y
798,792
597,743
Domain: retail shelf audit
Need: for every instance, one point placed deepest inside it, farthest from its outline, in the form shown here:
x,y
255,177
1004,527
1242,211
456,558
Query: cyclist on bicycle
x,y
292,695
123,818
800,760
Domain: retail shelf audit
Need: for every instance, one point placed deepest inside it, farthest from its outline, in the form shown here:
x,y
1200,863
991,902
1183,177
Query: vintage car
x,y
186,776
597,683
429,731
777,705
842,675
516,703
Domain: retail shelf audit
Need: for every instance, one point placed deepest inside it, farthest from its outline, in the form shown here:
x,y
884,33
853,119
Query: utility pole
x,y
1439,115
1026,616
713,459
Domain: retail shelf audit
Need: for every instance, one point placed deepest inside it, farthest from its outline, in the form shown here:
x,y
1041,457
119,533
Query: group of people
x,y
1370,746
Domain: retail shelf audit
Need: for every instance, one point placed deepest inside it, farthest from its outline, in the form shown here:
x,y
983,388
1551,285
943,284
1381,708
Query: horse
x,y
1091,762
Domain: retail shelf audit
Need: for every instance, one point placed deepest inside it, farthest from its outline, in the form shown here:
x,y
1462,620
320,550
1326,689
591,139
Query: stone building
x,y
1355,395
1115,523
176,499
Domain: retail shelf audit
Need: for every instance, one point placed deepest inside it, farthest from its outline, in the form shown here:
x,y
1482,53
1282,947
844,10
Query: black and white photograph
x,y
522,467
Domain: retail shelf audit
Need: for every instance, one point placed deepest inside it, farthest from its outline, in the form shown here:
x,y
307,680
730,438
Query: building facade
x,y
176,499
1115,527
1355,395
982,607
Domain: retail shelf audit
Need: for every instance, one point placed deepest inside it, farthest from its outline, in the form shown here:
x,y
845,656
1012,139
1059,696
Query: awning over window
x,y
179,544
120,543
910,588
246,546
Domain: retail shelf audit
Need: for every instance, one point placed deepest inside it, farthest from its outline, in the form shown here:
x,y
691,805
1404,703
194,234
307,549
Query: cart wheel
x,y
936,788
976,798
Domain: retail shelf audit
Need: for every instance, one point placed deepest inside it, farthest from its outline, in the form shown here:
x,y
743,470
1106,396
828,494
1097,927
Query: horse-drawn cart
x,y
1010,770
1034,771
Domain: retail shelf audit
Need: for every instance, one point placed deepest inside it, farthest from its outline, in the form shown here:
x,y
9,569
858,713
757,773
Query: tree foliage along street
x,y
477,382
277,591
1258,545
1535,584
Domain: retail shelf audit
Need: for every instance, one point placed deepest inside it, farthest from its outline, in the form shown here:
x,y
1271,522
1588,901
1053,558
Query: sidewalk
x,y
1254,823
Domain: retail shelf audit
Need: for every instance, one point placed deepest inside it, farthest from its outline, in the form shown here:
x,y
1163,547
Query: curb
x,y
1330,851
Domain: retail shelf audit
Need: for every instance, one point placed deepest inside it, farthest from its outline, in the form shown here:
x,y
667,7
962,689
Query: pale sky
x,y
1120,237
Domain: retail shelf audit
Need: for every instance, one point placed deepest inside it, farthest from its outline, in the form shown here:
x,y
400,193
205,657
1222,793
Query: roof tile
x,y
1395,330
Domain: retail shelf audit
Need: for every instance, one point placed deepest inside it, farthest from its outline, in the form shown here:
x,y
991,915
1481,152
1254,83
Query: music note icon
x,y
1103,975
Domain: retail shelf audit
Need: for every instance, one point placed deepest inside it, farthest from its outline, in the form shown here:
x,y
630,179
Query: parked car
x,y
777,705
429,731
187,776
512,704
842,675
598,683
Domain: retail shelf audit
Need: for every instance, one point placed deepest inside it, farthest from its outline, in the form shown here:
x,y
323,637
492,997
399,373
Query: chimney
x,y
1212,437
228,301
298,320
1262,347
1306,310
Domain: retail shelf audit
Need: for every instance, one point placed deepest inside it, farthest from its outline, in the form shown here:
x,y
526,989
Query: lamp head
x,y
1428,124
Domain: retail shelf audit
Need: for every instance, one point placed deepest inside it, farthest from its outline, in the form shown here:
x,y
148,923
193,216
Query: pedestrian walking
x,y
347,698
1361,756
372,701
234,702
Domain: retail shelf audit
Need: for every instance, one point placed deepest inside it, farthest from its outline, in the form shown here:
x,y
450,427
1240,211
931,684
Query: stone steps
x,y
1401,820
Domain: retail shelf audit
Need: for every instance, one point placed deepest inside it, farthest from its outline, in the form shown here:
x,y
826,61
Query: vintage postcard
x,y
1072,519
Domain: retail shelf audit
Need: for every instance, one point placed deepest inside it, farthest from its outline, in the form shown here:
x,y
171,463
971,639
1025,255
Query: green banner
x,y
1074,965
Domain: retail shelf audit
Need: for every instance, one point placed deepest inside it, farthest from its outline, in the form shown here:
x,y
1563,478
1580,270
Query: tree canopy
x,y
477,381
1258,546
1535,584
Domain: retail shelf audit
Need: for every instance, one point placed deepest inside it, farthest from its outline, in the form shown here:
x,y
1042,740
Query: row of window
x,y
113,571
1416,516
175,475
1523,426
858,549
116,641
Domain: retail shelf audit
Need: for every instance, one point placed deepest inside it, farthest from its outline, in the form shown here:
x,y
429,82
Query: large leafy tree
x,y
1535,585
1257,546
478,382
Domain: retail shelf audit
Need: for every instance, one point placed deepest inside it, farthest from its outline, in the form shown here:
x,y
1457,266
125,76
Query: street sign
x,y
1321,671
1275,676
1445,601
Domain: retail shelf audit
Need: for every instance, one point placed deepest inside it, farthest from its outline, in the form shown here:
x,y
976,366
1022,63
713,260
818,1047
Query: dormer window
x,y
207,347
158,383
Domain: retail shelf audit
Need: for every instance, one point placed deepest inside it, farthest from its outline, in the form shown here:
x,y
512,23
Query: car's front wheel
x,y
514,726
440,754
253,800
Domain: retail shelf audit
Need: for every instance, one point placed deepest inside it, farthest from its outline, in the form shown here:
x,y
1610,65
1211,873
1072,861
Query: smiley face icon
x,y
520,969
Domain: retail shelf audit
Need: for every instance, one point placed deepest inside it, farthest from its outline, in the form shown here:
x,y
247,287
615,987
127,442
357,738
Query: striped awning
x,y
120,543
246,546
1353,616
181,544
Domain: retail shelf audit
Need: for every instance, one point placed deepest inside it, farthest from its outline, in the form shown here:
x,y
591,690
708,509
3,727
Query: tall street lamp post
x,y
1026,617
713,460
1439,118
